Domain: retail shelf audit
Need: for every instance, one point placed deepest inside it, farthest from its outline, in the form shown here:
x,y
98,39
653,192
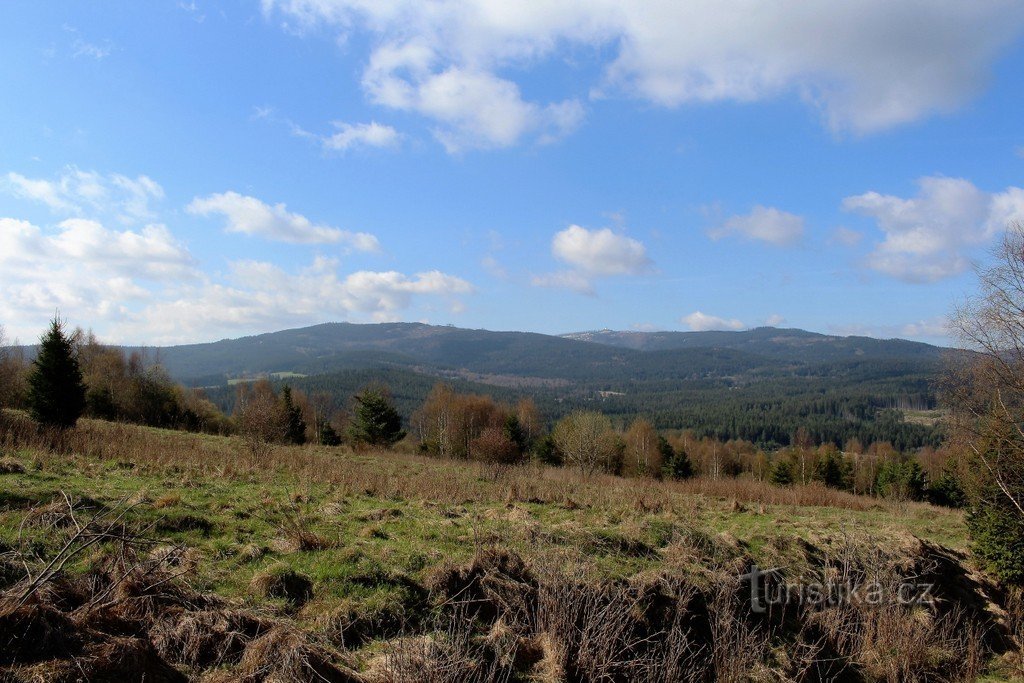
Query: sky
x,y
176,172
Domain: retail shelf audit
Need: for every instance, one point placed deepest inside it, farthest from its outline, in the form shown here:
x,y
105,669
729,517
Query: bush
x,y
947,491
997,534
782,473
547,451
677,464
902,479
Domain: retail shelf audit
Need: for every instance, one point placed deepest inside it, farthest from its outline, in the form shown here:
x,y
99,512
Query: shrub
x,y
783,473
902,479
997,534
677,464
947,491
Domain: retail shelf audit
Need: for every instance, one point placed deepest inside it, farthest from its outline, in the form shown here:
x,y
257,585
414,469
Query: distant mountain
x,y
787,344
580,357
759,384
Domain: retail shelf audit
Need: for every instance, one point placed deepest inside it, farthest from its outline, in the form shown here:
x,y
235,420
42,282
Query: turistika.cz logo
x,y
768,590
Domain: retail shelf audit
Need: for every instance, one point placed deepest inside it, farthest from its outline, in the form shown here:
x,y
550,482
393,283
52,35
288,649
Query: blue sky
x,y
188,171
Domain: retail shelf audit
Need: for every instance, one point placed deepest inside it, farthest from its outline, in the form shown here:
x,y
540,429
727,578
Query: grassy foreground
x,y
395,567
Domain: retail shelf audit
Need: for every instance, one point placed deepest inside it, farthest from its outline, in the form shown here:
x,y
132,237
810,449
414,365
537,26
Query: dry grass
x,y
549,611
403,476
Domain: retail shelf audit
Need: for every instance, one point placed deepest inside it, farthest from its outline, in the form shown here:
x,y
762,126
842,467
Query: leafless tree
x,y
12,372
985,388
587,440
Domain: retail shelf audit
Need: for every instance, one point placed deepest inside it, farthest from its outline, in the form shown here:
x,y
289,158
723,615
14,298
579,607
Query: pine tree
x,y
676,464
375,421
56,391
294,425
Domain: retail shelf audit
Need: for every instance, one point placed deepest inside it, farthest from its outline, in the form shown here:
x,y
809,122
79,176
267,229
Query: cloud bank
x,y
865,66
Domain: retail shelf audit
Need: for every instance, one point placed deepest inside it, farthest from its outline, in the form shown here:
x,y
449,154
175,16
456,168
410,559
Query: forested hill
x,y
588,356
760,384
788,344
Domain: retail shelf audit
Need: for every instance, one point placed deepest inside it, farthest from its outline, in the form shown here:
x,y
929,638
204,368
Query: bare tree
x,y
643,458
261,422
985,389
587,440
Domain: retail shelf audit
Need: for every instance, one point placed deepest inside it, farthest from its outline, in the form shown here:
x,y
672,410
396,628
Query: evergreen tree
x,y
294,425
56,391
547,451
676,464
947,490
375,421
513,431
783,473
833,470
328,435
902,479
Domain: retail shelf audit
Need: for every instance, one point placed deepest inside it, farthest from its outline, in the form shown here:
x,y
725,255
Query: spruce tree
x,y
56,392
375,421
294,425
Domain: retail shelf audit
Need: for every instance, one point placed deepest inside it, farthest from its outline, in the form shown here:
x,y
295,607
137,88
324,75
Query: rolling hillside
x,y
759,385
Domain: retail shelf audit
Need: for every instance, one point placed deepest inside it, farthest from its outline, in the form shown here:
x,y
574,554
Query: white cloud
x,y
774,320
250,216
600,252
83,48
83,269
865,65
932,330
592,254
152,253
929,237
702,322
565,279
494,267
764,224
475,108
351,135
846,237
260,296
144,287
74,192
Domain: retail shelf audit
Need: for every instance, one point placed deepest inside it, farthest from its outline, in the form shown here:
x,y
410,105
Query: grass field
x,y
359,551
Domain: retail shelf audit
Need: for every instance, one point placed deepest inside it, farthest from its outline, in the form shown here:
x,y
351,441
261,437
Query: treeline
x,y
476,427
767,413
118,385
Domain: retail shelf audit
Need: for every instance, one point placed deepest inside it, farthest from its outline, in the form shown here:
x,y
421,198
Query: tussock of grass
x,y
281,581
397,567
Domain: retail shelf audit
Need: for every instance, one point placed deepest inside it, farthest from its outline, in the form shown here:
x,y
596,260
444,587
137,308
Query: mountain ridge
x,y
332,346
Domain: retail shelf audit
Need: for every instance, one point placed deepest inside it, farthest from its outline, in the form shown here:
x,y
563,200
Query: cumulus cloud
x,y
763,224
144,287
774,320
845,237
935,330
250,216
565,279
475,109
259,296
75,192
593,254
865,66
702,322
353,135
600,252
84,267
929,237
